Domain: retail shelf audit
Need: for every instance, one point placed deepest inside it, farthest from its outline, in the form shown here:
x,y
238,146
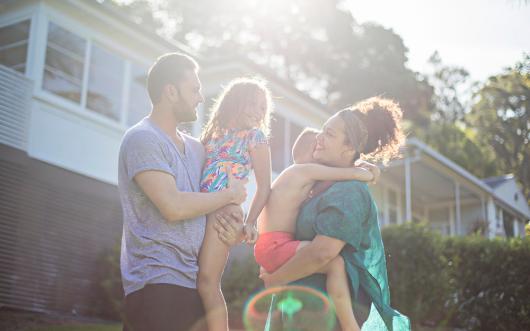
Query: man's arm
x,y
174,205
307,261
317,172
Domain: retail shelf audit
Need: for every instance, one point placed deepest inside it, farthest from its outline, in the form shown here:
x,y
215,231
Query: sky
x,y
483,36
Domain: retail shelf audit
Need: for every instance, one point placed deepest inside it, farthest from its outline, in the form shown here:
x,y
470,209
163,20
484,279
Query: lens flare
x,y
289,308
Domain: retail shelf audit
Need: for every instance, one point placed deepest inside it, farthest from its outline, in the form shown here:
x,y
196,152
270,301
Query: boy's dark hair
x,y
169,68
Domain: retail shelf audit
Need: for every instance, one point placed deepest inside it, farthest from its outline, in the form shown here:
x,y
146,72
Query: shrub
x,y
240,281
468,282
490,278
418,278
108,301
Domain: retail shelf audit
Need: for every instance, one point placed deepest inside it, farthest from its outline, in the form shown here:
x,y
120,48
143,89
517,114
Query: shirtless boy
x,y
277,222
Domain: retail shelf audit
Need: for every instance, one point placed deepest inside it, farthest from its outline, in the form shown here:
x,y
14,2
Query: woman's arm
x,y
260,157
338,220
316,172
308,260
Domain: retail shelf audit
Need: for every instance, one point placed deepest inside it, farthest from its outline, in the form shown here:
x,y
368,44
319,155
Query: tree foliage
x,y
320,48
501,118
316,45
447,131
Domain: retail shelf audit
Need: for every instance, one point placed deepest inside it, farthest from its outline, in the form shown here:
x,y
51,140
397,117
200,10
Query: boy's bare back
x,y
289,190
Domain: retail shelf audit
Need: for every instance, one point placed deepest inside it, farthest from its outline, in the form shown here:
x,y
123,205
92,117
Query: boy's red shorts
x,y
273,249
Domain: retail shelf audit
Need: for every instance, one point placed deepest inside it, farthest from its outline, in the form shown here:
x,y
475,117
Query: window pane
x,y
61,85
105,83
277,143
14,45
139,103
68,66
63,73
65,39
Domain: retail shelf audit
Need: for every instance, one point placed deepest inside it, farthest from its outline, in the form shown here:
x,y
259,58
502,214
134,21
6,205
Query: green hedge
x,y
468,282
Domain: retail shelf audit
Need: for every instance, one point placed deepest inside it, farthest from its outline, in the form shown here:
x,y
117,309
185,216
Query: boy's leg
x,y
163,307
339,291
212,261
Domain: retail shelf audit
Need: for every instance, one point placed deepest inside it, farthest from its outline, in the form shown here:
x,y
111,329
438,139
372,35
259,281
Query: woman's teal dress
x,y
347,211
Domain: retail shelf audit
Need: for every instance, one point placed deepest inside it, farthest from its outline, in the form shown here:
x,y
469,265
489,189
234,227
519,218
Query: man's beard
x,y
184,113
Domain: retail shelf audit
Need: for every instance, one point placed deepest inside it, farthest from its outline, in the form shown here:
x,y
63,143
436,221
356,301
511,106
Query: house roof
x,y
494,182
482,184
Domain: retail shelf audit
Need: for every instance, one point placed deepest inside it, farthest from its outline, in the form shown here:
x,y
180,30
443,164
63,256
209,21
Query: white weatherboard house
x,y
72,80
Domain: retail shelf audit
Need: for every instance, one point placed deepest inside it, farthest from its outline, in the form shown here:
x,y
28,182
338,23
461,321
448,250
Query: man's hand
x,y
376,172
229,224
236,187
251,233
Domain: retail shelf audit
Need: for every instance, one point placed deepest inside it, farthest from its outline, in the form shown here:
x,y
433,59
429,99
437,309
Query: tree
x,y
501,118
316,45
447,132
452,90
461,145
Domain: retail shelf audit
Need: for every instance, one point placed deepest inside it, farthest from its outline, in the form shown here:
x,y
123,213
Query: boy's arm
x,y
316,172
175,205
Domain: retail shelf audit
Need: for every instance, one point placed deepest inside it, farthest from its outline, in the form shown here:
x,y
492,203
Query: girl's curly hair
x,y
235,108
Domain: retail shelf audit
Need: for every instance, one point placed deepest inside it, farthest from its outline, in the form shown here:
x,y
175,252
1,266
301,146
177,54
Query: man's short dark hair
x,y
168,69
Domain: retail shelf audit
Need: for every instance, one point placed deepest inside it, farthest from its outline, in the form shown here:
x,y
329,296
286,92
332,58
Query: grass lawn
x,y
86,327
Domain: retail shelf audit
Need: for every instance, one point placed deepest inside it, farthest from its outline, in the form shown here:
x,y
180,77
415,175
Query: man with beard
x,y
163,210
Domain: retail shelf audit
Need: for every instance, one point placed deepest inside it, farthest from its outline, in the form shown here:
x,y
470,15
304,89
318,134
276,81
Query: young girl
x,y
236,140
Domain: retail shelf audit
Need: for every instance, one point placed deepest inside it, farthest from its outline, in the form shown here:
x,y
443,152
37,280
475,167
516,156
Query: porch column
x,y
452,225
457,209
492,222
408,202
515,227
386,213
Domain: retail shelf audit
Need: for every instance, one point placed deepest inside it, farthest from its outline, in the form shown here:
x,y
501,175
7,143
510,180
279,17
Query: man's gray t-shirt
x,y
153,250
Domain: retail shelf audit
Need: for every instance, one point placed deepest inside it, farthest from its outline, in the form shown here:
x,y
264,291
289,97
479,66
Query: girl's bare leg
x,y
212,261
339,291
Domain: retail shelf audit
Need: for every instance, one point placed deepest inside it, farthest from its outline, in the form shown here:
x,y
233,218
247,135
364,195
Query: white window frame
x,y
47,15
16,17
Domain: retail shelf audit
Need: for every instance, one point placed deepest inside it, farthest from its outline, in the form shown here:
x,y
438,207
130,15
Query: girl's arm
x,y
308,260
260,157
316,172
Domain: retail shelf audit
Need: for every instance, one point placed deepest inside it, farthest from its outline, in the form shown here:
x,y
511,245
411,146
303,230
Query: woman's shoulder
x,y
345,193
349,186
